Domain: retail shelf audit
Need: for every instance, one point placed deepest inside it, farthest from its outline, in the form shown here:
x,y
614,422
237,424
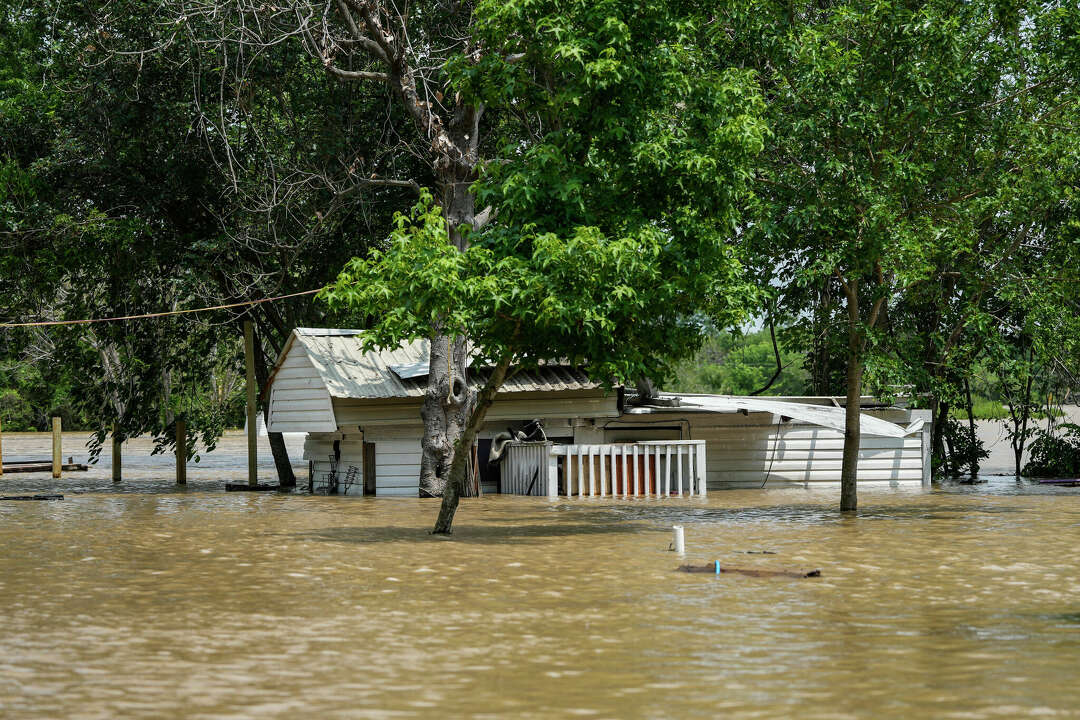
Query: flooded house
x,y
555,431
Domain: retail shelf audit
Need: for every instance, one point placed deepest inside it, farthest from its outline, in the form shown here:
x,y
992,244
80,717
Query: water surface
x,y
139,601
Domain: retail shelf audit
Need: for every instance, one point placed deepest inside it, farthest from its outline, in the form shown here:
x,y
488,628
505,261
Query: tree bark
x,y
973,460
449,399
939,460
446,409
852,429
849,467
455,486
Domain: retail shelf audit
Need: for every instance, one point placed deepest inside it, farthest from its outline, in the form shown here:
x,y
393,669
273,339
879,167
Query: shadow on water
x,y
803,514
483,534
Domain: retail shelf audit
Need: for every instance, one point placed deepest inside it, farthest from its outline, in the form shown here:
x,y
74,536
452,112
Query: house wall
x,y
742,449
509,408
349,451
299,401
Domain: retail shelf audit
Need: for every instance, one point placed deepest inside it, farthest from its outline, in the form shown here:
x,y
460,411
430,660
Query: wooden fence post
x,y
252,429
116,459
181,452
57,450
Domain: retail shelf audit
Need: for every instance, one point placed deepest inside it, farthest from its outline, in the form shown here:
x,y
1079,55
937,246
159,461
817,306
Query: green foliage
x,y
624,161
734,364
1055,454
964,451
982,409
136,181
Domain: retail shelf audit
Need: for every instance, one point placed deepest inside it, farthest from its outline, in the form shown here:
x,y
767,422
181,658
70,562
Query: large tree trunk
x,y
449,398
445,412
849,467
852,433
455,486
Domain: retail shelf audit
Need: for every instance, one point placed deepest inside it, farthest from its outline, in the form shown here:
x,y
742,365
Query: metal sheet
x,y
830,417
348,372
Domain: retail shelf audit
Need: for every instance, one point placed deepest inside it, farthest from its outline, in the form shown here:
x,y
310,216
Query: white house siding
x,y
397,460
509,408
299,400
742,449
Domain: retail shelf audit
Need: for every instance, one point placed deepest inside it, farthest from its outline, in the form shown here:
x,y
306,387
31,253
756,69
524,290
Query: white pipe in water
x,y
678,542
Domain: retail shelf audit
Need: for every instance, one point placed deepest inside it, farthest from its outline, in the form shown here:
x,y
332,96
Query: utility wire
x,y
42,323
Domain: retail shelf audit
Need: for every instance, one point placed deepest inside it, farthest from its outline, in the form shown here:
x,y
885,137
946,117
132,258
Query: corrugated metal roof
x,y
348,372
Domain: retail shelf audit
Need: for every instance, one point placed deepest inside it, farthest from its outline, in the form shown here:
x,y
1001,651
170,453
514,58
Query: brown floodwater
x,y
139,601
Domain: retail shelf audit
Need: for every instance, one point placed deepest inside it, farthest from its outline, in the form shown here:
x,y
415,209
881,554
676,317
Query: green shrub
x,y
1055,455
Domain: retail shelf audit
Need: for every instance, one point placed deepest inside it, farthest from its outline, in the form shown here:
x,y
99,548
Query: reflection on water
x,y
962,602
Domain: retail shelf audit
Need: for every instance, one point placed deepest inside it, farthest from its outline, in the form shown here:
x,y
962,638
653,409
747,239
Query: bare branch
x,y
355,74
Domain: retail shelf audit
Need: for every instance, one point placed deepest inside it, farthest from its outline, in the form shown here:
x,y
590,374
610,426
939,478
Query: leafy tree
x,y
903,133
125,190
624,160
735,364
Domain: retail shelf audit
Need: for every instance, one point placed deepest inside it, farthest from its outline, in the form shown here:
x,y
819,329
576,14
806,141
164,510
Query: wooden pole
x,y
252,428
57,450
116,460
181,452
1,450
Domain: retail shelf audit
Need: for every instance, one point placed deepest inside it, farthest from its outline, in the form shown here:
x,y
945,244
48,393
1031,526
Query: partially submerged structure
x,y
361,413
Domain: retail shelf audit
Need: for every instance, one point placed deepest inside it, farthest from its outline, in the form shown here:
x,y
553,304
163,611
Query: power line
x,y
247,303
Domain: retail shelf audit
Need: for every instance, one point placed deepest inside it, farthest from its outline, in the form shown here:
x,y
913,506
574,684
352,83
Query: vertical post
x,y
614,473
600,458
625,474
678,466
667,473
637,475
252,429
580,473
181,452
552,474
678,541
701,469
1,449
57,450
690,470
116,469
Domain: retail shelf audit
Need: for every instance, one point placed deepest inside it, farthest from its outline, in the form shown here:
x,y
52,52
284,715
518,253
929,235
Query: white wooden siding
x,y
507,408
742,455
299,401
397,460
739,448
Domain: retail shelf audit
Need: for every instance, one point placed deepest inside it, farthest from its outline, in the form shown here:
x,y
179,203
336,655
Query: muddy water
x,y
956,603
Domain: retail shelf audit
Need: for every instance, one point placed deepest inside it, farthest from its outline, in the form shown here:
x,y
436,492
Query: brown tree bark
x,y
857,339
849,468
455,486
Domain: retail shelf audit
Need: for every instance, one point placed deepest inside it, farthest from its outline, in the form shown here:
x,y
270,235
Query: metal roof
x,y
830,417
401,372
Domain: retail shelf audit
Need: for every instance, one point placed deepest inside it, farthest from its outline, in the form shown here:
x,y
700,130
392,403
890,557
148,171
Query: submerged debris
x,y
718,569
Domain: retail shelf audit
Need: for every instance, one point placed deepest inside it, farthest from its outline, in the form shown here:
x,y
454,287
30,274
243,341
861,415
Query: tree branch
x,y
355,74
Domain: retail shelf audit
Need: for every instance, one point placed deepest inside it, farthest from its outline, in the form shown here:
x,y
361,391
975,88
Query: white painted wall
x,y
299,401
742,449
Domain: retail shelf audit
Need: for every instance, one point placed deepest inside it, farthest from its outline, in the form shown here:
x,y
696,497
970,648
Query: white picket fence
x,y
639,469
